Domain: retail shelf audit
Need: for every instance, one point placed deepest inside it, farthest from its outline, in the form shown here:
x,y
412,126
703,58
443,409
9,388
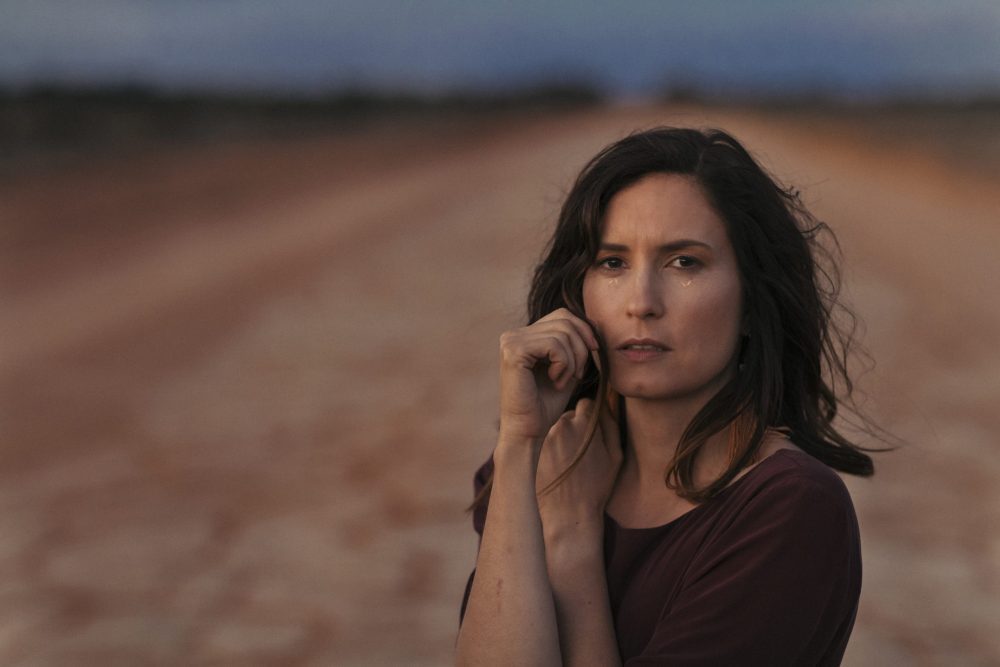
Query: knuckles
x,y
506,338
563,429
509,344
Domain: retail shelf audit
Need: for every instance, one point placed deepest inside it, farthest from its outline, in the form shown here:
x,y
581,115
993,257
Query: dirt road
x,y
244,388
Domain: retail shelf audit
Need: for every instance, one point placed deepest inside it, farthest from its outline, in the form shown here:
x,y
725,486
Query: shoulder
x,y
773,569
790,497
791,515
794,473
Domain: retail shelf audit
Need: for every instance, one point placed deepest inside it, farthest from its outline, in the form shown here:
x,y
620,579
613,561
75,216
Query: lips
x,y
642,349
643,344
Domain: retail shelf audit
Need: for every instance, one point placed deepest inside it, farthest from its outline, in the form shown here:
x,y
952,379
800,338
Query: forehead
x,y
659,208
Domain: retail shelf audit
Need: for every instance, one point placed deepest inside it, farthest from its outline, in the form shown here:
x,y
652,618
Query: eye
x,y
613,263
686,262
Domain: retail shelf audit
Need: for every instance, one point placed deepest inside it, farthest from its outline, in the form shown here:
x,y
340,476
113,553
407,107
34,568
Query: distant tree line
x,y
53,119
45,122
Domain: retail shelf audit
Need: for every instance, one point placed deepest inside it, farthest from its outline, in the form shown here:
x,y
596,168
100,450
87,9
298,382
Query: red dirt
x,y
244,388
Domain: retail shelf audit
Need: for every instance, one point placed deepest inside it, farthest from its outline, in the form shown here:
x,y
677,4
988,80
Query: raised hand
x,y
540,365
573,509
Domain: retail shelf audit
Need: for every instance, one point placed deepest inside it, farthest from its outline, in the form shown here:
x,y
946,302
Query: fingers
x,y
527,347
570,428
562,359
582,327
576,347
576,334
584,408
561,341
566,437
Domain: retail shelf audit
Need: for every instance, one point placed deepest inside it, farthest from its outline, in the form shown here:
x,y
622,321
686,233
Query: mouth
x,y
644,344
642,349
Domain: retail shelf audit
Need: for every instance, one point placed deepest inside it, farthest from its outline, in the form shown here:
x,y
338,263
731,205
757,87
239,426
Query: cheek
x,y
715,317
595,299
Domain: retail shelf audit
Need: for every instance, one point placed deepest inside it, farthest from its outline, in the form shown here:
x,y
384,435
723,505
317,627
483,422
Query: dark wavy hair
x,y
794,361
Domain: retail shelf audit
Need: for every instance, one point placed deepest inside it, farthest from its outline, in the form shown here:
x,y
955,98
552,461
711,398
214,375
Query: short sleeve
x,y
778,585
479,481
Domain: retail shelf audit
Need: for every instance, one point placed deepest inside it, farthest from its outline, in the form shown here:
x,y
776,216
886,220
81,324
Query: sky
x,y
848,47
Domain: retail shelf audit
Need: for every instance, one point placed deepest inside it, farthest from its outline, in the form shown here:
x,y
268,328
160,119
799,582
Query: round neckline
x,y
725,491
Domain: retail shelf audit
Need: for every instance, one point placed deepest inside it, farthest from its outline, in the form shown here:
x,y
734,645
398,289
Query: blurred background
x,y
255,258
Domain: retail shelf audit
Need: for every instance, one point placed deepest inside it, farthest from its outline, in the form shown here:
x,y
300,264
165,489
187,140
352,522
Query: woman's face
x,y
665,292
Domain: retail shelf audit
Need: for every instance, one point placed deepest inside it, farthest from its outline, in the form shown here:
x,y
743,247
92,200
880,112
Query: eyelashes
x,y
606,263
613,263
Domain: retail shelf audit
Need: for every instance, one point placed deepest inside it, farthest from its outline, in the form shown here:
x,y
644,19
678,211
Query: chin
x,y
645,390
656,389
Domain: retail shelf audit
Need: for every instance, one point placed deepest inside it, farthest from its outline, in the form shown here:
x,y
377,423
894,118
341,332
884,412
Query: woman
x,y
662,490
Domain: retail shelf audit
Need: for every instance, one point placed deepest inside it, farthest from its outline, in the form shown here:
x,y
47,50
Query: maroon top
x,y
766,573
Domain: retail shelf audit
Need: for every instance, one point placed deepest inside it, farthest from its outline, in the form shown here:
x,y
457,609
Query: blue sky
x,y
855,47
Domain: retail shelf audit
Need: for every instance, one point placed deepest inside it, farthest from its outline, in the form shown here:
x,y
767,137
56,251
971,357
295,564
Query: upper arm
x,y
779,586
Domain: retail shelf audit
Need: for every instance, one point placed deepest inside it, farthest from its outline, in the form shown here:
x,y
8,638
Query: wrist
x,y
514,447
516,458
569,560
574,542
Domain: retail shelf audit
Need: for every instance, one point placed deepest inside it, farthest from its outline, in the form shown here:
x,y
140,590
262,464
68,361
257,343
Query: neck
x,y
654,431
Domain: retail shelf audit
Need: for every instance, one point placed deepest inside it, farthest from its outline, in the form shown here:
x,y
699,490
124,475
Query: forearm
x,y
583,609
511,618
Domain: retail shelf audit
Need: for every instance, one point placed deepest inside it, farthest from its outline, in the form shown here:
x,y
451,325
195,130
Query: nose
x,y
645,299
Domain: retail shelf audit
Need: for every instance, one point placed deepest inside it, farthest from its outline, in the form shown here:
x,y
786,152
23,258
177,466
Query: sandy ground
x,y
244,388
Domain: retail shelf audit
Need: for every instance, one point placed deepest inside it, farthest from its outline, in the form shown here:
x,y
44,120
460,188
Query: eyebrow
x,y
666,247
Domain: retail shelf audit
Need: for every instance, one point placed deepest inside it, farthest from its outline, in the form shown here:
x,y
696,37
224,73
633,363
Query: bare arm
x,y
511,619
573,520
586,628
575,582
